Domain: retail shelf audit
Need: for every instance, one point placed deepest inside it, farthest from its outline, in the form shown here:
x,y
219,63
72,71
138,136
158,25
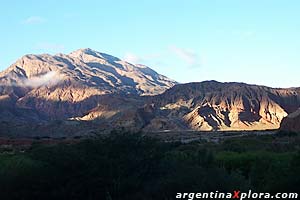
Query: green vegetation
x,y
130,166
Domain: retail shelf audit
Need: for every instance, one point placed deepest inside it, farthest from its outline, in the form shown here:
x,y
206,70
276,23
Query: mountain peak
x,y
88,52
89,68
85,51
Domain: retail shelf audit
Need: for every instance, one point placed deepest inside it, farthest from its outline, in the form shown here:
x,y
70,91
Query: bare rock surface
x,y
211,105
62,86
291,123
89,86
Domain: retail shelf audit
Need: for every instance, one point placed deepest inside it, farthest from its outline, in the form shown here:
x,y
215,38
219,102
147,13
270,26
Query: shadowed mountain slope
x,y
291,122
212,105
62,86
86,85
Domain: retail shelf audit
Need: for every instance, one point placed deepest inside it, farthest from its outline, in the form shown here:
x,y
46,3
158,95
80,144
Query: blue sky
x,y
255,41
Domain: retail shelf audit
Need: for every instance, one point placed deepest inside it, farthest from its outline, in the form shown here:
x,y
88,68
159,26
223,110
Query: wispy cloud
x,y
132,58
45,46
34,20
187,55
50,78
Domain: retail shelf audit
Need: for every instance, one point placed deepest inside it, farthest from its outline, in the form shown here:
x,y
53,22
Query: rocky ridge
x,y
89,86
63,86
211,105
291,123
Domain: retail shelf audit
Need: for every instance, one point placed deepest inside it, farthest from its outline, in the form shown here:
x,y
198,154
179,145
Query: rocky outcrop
x,y
64,86
291,123
89,86
91,70
212,105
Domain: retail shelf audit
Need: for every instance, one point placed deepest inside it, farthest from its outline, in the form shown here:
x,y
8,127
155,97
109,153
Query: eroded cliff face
x,y
291,123
235,117
86,85
212,105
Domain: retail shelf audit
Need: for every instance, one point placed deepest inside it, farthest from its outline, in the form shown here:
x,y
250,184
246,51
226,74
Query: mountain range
x,y
89,86
66,85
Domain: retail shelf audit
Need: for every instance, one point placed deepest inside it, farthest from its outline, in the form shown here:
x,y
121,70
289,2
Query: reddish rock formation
x,y
63,86
212,105
86,85
291,123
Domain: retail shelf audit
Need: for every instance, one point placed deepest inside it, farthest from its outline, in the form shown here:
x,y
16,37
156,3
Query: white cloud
x,y
132,58
50,78
34,20
187,55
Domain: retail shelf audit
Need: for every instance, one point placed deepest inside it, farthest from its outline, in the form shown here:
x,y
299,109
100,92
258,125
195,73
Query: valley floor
x,y
136,166
187,136
183,136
